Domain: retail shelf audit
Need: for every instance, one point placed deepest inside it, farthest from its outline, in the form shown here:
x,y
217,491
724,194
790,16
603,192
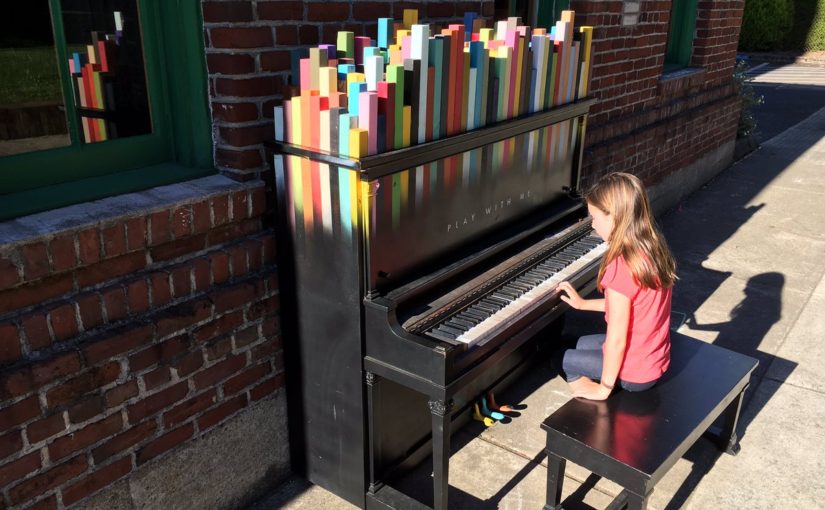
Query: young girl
x,y
636,276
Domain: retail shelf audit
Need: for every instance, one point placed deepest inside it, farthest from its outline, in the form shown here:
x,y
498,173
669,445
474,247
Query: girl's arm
x,y
618,323
570,296
614,346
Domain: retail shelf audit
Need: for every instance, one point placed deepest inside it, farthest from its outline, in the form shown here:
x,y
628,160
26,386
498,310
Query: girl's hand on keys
x,y
569,295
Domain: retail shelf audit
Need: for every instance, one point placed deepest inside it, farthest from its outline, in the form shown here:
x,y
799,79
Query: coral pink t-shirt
x,y
647,352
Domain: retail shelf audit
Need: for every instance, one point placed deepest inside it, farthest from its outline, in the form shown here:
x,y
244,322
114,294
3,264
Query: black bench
x,y
633,439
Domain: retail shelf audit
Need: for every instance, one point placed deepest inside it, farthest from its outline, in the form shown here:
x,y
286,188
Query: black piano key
x,y
468,319
441,335
486,307
506,293
471,312
518,286
496,300
450,330
526,280
461,324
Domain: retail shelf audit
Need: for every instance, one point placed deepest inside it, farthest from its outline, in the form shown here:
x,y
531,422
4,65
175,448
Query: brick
x,y
275,61
308,35
440,10
35,293
62,252
161,292
220,326
97,480
201,220
10,443
59,366
280,11
35,260
156,378
328,11
86,436
179,248
262,308
218,348
229,64
63,322
120,394
111,269
136,234
114,302
125,440
189,363
220,267
159,228
86,409
269,250
137,296
222,12
287,35
48,480
233,297
153,404
234,112
113,345
164,351
19,412
254,256
267,387
220,210
165,443
189,408
237,261
246,379
217,415
246,336
45,428
202,274
82,385
114,240
256,86
181,281
182,316
91,311
219,371
19,468
240,205
241,37
49,503
89,246
10,349
238,159
370,11
181,222
9,273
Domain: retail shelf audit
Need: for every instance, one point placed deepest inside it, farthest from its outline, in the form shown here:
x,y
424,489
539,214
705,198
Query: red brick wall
x,y
121,340
646,123
247,58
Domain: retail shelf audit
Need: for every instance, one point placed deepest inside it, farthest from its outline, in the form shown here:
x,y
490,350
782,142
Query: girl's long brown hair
x,y
635,235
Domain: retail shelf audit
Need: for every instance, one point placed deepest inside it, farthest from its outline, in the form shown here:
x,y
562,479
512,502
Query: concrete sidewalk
x,y
751,252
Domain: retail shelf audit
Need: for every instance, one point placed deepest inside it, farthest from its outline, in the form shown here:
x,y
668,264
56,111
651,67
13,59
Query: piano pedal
x,y
494,406
487,412
488,422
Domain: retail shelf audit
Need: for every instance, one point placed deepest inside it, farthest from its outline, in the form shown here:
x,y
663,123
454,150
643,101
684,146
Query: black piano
x,y
413,281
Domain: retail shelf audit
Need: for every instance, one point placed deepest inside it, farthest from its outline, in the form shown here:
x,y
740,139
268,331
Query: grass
x,y
29,75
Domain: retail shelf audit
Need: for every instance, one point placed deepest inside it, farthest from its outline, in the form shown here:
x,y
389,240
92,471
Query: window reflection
x,y
32,108
107,68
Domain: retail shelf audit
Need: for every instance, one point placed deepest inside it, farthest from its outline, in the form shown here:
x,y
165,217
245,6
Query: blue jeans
x,y
586,361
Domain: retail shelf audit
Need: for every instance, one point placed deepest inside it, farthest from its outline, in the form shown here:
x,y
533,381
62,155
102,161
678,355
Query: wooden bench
x,y
633,439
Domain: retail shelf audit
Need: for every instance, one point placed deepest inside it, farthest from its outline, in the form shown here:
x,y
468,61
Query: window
x,y
100,97
680,36
536,13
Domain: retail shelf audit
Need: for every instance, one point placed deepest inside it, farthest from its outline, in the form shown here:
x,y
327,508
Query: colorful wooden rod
x,y
416,83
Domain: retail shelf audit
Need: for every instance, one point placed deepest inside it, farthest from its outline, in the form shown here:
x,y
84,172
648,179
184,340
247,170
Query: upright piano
x,y
414,281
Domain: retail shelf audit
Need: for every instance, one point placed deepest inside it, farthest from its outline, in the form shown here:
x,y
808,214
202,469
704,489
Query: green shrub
x,y
766,25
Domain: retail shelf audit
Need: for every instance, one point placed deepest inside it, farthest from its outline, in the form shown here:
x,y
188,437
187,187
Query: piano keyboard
x,y
493,313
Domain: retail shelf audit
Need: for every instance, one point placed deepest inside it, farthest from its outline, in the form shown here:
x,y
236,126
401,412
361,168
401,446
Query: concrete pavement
x,y
751,252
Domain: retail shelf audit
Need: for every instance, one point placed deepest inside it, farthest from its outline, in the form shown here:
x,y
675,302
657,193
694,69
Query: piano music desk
x,y
633,439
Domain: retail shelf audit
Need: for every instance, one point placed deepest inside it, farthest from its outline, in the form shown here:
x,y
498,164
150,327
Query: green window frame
x,y
680,35
179,147
549,11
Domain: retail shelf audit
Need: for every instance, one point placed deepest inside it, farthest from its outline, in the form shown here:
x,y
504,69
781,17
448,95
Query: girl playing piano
x,y
636,275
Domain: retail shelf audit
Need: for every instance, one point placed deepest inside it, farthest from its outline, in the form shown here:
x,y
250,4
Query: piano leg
x,y
373,388
441,412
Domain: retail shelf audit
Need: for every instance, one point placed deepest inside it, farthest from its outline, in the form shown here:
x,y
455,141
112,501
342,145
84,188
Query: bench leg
x,y
555,479
728,440
630,501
